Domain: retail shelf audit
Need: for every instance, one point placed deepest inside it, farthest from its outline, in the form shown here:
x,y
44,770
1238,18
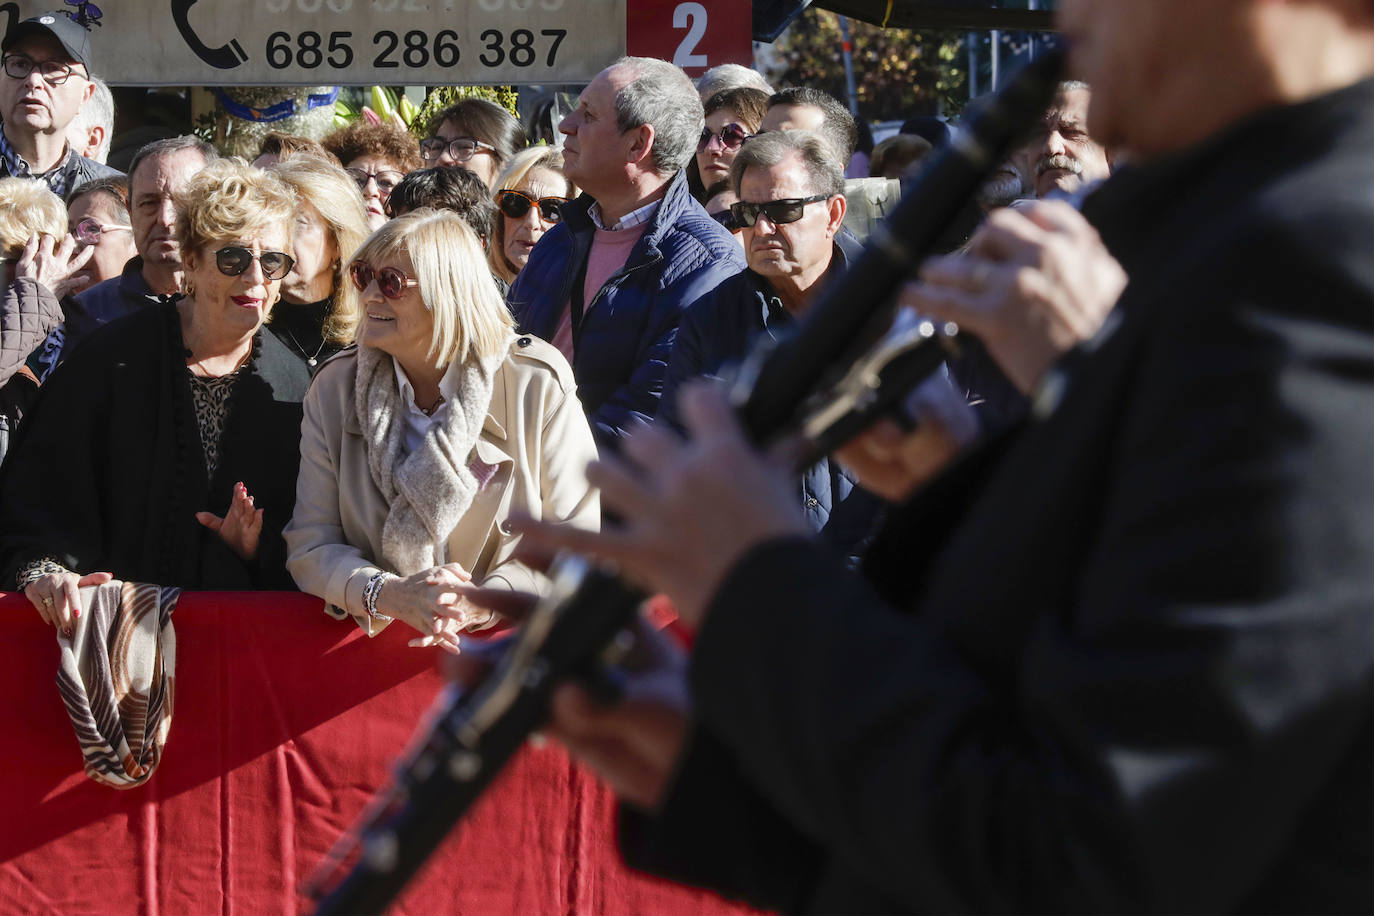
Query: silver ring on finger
x,y
47,600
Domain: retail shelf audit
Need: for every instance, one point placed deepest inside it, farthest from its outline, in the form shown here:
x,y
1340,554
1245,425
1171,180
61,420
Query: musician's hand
x,y
893,462
634,744
689,509
1035,281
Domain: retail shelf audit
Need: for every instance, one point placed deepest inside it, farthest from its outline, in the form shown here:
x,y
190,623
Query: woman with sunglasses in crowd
x,y
532,192
418,445
376,157
732,116
330,225
165,448
474,134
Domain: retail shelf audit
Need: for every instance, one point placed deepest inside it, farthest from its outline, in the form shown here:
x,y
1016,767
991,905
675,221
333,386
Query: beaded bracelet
x,y
370,593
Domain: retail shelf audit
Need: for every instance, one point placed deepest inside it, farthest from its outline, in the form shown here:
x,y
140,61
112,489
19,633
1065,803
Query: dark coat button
x,y
523,342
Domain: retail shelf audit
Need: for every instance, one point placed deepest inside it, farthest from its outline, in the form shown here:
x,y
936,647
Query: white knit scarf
x,y
429,490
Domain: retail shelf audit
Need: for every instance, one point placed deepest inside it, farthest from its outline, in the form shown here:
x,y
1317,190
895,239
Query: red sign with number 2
x,y
694,35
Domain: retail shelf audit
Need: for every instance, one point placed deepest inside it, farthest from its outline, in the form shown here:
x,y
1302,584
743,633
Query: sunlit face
x,y
596,154
316,253
116,245
151,210
375,193
31,104
402,327
235,306
482,163
790,249
522,234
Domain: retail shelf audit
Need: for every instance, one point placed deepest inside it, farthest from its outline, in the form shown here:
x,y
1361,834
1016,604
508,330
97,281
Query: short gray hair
x,y
1074,86
99,111
167,147
730,76
663,97
823,173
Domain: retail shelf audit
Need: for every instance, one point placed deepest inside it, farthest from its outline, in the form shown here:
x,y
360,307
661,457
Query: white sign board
x,y
344,42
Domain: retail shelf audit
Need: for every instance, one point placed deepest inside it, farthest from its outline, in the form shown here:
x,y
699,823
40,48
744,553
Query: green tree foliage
x,y
898,72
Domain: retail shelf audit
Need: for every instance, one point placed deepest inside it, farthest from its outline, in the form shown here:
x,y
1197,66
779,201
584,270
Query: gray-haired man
x,y
608,284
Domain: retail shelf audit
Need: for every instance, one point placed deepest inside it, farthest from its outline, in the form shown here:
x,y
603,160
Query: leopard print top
x,y
210,397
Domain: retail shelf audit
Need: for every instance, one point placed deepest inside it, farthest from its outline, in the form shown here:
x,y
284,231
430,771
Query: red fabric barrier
x,y
285,723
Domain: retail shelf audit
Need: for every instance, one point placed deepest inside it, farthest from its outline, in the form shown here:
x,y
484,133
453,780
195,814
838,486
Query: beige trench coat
x,y
535,434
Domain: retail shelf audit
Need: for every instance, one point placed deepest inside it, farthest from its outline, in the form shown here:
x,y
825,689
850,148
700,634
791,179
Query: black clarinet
x,y
844,365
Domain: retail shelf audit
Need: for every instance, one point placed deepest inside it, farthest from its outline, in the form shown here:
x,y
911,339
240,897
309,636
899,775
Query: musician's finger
x,y
946,303
1008,235
510,605
708,416
650,446
1055,216
964,272
608,544
621,490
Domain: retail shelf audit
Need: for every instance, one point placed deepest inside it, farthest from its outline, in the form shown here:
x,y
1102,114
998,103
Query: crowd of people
x,y
1085,624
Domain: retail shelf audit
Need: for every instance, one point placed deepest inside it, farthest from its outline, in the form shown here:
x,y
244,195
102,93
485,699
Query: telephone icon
x,y
226,57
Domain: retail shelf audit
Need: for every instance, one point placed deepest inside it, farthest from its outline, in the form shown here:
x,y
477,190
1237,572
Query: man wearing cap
x,y
44,81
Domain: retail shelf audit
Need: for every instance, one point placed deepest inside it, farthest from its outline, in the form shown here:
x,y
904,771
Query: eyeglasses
x,y
516,204
54,72
787,210
731,136
461,149
235,259
726,219
386,179
89,230
390,281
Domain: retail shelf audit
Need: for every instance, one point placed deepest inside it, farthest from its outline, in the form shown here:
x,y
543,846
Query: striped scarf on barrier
x,y
116,677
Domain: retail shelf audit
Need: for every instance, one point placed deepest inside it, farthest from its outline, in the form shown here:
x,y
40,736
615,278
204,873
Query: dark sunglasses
x,y
386,179
787,210
462,149
235,259
89,231
731,136
391,283
516,204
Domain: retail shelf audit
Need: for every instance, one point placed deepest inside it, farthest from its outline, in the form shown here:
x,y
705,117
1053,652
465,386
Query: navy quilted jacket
x,y
622,345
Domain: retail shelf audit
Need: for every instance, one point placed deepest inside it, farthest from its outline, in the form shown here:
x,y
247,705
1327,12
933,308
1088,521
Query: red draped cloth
x,y
285,723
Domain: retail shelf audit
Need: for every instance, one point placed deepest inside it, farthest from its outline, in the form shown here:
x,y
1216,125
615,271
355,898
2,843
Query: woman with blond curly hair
x,y
164,449
418,445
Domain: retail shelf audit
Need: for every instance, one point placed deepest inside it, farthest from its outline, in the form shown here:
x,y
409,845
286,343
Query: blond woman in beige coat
x,y
418,445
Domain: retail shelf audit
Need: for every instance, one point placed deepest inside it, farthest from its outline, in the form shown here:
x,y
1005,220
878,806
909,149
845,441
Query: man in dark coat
x,y
607,285
790,261
157,173
1121,659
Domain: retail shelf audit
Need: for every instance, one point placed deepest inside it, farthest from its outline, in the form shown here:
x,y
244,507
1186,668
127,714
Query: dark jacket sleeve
x,y
1153,743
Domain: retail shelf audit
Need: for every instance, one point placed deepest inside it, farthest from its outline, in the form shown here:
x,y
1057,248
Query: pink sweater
x,y
609,252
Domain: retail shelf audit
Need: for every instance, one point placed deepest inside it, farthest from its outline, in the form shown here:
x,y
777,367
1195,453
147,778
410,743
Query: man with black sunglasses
x,y
608,283
790,209
45,81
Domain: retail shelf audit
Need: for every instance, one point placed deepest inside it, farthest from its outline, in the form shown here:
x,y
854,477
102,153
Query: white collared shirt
x,y
417,424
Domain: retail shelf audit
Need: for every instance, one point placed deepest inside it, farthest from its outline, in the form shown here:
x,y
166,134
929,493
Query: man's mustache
x,y
1058,163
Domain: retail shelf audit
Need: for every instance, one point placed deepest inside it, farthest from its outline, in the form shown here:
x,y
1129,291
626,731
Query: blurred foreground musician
x,y
1120,659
